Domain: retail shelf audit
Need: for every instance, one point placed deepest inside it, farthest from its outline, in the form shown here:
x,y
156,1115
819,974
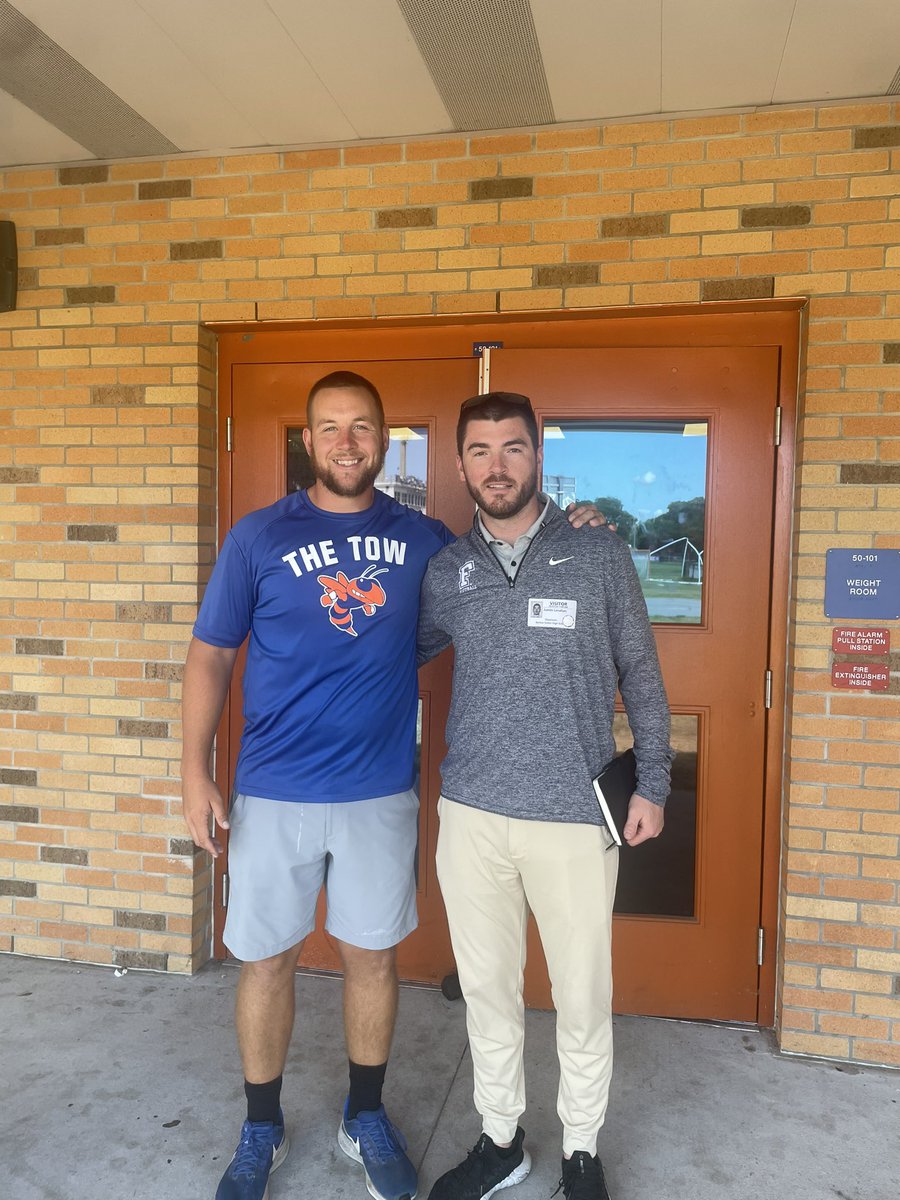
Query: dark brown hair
x,y
496,406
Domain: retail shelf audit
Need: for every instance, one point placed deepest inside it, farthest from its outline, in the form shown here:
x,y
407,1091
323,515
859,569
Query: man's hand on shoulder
x,y
645,821
583,513
200,797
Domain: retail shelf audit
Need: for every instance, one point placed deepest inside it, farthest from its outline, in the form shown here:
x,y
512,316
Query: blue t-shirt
x,y
330,602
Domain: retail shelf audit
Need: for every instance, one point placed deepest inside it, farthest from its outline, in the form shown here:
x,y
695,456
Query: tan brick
x,y
524,300
629,181
704,221
665,293
815,1044
853,114
777,168
736,243
726,197
670,152
853,163
468,214
874,185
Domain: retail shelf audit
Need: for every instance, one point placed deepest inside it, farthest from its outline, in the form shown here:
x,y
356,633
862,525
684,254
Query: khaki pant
x,y
492,870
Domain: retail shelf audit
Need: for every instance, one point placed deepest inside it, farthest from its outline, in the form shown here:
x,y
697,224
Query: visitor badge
x,y
551,614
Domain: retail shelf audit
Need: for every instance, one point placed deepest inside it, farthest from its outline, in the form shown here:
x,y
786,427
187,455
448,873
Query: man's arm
x,y
207,677
431,639
644,697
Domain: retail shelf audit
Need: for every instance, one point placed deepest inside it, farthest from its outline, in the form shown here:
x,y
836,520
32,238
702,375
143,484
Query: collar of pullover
x,y
510,556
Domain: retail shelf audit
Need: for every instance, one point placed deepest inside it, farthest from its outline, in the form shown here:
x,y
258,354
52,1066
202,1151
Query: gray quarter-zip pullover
x,y
537,662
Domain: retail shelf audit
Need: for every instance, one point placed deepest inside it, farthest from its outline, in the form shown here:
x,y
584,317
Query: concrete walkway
x,y
129,1088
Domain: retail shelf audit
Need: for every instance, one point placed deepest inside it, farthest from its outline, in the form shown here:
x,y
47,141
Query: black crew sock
x,y
263,1100
366,1084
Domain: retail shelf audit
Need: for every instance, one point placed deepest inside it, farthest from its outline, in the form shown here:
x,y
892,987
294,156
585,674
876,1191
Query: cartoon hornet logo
x,y
344,596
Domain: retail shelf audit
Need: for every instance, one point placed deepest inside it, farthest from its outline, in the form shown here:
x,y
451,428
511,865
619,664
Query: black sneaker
x,y
582,1178
484,1171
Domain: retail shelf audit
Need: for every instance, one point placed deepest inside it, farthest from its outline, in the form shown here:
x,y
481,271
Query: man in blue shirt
x,y
325,585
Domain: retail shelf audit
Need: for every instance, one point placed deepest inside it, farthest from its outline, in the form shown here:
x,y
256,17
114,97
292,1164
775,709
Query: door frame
x,y
780,323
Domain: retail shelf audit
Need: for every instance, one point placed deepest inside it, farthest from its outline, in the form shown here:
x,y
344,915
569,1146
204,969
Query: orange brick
x,y
552,139
439,148
816,999
855,935
505,143
405,306
798,1019
602,159
641,131
379,153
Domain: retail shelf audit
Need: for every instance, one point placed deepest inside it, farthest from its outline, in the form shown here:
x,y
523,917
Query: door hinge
x,y
768,689
229,432
484,371
760,946
777,424
225,890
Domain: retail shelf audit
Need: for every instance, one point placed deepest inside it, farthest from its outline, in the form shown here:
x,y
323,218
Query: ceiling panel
x,y
722,53
128,51
600,60
243,47
836,49
28,138
485,59
375,73
128,78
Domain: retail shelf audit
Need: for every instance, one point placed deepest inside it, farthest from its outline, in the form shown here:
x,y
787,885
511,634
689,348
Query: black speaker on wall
x,y
9,266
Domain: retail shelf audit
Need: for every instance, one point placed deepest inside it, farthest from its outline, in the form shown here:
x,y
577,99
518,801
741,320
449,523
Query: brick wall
x,y
107,469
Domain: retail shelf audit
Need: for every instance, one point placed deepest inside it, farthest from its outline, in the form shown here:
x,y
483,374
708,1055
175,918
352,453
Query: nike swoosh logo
x,y
554,562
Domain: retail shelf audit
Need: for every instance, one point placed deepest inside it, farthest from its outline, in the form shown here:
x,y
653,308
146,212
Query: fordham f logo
x,y
465,572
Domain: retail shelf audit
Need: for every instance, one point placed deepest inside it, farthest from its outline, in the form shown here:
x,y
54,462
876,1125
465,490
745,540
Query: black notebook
x,y
614,787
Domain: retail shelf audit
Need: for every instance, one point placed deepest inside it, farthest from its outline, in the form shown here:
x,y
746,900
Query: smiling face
x,y
346,441
500,467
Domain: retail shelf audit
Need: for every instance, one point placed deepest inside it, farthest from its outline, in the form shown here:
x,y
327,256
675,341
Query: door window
x,y
403,476
660,879
649,478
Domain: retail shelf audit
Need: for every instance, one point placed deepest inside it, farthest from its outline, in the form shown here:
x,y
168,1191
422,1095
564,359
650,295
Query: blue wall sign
x,y
862,583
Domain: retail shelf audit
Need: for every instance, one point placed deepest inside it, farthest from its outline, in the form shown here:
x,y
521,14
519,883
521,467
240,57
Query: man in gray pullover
x,y
546,622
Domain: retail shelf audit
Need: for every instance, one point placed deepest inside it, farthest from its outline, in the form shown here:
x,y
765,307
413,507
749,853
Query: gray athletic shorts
x,y
281,852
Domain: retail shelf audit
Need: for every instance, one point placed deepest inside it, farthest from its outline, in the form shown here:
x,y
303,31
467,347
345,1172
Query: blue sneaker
x,y
371,1139
263,1147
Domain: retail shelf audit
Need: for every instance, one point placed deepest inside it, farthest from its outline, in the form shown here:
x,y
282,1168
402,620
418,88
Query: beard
x,y
502,507
341,485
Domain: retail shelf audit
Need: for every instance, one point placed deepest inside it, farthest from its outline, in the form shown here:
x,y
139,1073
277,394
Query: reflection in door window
x,y
403,476
649,478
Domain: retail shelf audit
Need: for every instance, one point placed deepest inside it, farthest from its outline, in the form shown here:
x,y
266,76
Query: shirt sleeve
x,y
640,680
226,612
431,639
